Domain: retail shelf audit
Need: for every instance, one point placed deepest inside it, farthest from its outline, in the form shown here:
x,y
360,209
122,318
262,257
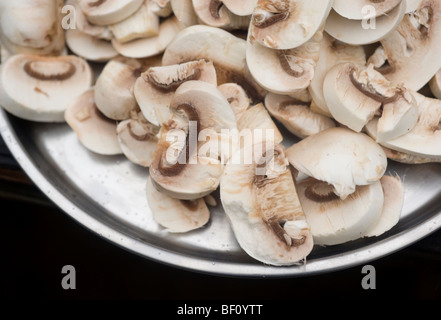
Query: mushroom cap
x,y
393,191
40,88
95,132
177,216
263,207
89,47
212,12
237,97
155,88
357,32
296,115
358,10
106,12
287,24
341,157
241,8
335,221
150,46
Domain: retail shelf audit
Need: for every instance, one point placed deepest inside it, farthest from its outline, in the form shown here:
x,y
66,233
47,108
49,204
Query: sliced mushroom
x,y
144,23
89,47
114,87
155,88
237,98
412,5
162,8
335,221
29,27
355,95
212,12
332,52
287,24
107,12
150,46
258,122
435,85
241,8
226,51
95,132
138,139
296,115
424,140
410,55
358,9
261,202
184,166
340,157
40,88
177,216
284,71
406,158
393,191
184,12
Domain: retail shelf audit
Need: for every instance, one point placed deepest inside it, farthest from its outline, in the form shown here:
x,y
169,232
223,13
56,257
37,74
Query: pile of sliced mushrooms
x,y
354,83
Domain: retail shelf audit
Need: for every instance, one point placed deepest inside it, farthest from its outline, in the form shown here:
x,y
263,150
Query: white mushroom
x,y
335,221
287,24
359,9
296,115
407,158
241,8
138,139
40,88
155,88
114,87
435,85
354,95
162,8
393,191
184,12
150,46
144,23
284,71
260,200
341,157
176,216
95,132
212,12
410,55
188,163
424,140
236,97
106,12
332,52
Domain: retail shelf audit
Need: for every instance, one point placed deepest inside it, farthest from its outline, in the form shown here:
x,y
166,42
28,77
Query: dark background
x,y
38,239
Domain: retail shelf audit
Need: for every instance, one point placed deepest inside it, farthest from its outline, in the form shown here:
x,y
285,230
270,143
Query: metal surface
x,y
107,195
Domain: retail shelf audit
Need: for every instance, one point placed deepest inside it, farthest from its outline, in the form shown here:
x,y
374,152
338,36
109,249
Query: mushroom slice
x,y
226,51
260,200
412,5
155,88
184,12
435,85
335,221
393,191
258,122
406,158
358,32
284,71
287,24
144,23
212,12
332,52
177,216
296,115
95,132
138,139
150,46
40,88
241,8
114,87
107,12
236,97
89,47
354,95
341,157
424,140
358,9
410,55
162,8
187,163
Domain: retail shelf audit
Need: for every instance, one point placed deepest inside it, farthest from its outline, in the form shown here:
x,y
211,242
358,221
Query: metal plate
x,y
107,195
